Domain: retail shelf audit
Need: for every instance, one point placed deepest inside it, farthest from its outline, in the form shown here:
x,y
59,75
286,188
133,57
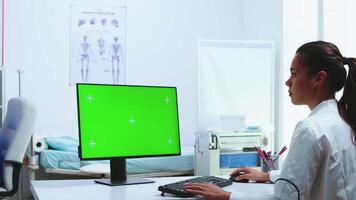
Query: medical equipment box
x,y
220,152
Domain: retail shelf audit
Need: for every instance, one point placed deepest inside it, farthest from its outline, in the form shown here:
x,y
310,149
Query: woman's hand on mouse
x,y
250,174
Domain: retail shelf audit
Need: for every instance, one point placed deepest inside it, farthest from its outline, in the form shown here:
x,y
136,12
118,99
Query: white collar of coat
x,y
330,103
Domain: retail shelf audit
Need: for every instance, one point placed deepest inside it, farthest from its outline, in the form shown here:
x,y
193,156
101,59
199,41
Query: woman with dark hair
x,y
321,163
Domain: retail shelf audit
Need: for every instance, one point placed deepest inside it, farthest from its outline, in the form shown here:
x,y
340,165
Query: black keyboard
x,y
177,188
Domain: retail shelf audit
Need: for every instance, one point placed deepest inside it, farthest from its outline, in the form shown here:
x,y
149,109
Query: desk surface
x,y
87,189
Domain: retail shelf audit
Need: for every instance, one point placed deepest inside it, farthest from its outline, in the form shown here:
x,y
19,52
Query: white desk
x,y
87,189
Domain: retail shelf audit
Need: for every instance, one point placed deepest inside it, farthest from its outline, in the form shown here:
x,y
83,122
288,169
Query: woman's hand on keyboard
x,y
207,190
251,174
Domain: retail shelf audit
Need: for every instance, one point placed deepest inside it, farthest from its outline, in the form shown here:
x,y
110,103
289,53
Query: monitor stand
x,y
118,175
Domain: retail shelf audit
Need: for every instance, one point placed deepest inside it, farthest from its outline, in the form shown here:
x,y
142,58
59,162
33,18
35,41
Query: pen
x,y
280,153
265,154
260,153
282,150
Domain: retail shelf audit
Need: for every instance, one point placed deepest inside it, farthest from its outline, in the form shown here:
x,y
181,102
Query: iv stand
x,y
30,153
19,72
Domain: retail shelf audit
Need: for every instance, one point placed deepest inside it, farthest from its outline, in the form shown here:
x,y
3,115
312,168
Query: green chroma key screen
x,y
127,121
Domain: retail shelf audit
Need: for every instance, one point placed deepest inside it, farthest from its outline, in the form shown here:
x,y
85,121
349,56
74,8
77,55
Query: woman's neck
x,y
317,101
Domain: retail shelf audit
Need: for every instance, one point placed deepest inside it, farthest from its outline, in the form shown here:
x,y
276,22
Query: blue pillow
x,y
64,143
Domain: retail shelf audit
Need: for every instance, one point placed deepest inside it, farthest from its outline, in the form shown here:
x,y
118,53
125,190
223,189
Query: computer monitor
x,y
117,122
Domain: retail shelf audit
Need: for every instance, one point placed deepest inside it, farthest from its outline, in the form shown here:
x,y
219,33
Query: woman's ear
x,y
320,78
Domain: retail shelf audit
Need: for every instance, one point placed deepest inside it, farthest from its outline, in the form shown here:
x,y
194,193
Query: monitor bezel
x,y
114,157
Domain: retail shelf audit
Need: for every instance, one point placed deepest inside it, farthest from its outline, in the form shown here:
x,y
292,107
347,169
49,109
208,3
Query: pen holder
x,y
269,164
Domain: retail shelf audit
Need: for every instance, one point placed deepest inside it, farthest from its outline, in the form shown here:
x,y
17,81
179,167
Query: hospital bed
x,y
59,160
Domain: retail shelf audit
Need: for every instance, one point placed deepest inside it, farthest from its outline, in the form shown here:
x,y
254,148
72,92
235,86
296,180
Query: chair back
x,y
17,128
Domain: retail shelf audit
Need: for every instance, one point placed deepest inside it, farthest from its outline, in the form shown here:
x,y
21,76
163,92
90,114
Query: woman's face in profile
x,y
300,84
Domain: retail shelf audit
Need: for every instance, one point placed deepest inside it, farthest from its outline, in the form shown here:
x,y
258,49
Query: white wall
x,y
263,20
300,26
162,42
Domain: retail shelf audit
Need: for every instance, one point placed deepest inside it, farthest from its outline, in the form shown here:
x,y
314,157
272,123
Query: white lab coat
x,y
321,159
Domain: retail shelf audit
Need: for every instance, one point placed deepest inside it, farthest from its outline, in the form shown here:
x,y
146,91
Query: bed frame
x,y
60,174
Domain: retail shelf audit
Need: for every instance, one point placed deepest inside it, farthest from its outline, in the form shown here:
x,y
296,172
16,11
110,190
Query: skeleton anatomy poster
x,y
97,44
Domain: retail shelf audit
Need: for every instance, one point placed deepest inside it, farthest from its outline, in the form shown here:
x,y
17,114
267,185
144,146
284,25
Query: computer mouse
x,y
233,178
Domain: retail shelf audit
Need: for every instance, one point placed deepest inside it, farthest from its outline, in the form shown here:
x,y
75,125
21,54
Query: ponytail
x,y
347,103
